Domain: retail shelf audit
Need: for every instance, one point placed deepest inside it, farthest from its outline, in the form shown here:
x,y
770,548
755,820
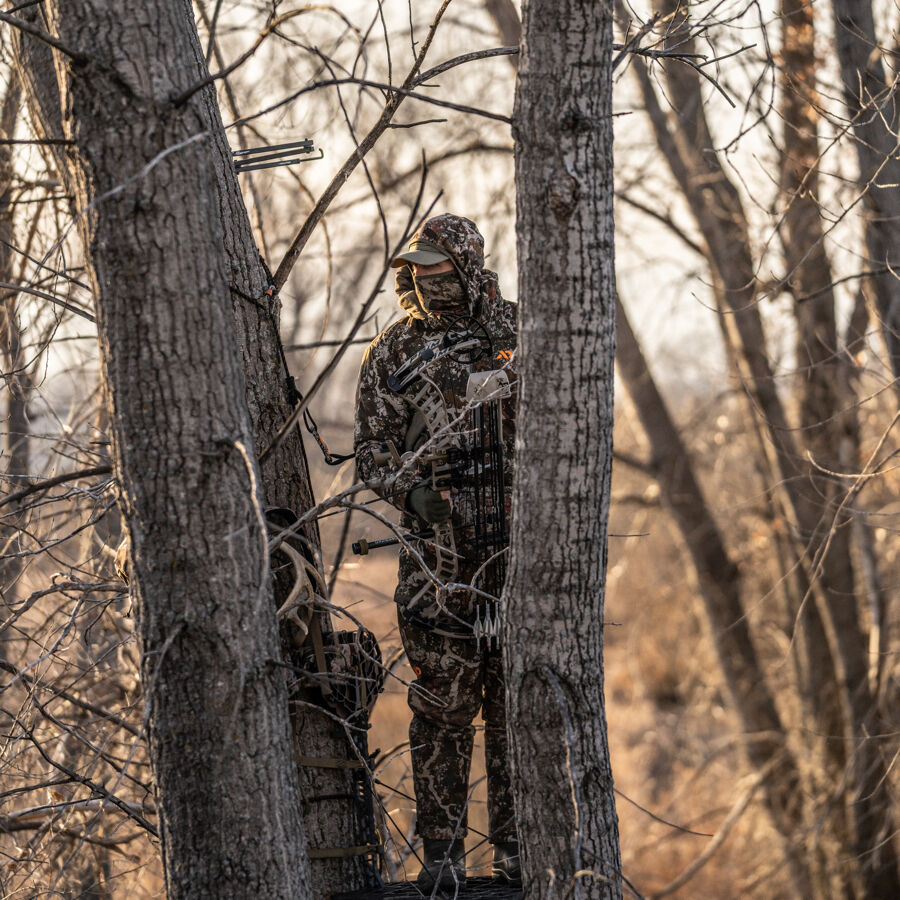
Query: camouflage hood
x,y
461,240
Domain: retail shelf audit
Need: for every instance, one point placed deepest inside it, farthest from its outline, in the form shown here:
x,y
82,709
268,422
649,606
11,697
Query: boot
x,y
443,864
507,866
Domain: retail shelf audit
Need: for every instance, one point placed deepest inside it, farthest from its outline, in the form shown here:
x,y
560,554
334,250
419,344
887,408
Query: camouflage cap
x,y
458,239
424,253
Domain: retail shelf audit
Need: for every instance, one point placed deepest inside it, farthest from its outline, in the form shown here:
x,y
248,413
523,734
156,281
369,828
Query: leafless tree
x,y
554,659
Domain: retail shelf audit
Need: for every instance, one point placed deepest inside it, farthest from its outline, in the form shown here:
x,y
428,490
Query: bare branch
x,y
45,36
52,482
393,102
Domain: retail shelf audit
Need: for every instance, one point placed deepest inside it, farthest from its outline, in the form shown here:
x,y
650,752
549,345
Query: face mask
x,y
440,293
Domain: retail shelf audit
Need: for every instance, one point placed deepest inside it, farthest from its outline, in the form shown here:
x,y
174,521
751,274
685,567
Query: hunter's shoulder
x,y
505,315
509,310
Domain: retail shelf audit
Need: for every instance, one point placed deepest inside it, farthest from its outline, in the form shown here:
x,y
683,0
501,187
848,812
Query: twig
x,y
664,218
390,108
294,417
45,36
724,829
52,482
22,289
633,42
41,265
25,819
94,787
415,124
460,60
271,25
659,819
316,344
43,142
211,44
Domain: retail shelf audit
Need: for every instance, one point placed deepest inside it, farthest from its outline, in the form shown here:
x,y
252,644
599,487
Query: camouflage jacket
x,y
383,414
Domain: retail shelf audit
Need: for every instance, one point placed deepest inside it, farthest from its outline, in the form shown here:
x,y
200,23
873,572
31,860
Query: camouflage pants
x,y
454,679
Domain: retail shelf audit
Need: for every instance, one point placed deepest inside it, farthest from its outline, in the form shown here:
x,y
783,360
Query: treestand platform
x,y
474,889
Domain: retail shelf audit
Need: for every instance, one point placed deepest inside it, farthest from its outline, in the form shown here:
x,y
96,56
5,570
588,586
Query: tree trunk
x,y
871,99
16,447
333,823
229,806
831,434
553,617
334,817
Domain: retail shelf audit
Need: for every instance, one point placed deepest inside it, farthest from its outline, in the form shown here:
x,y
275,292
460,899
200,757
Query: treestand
x,y
474,889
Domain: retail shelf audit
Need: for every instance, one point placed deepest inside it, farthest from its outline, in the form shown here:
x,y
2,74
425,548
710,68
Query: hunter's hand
x,y
428,504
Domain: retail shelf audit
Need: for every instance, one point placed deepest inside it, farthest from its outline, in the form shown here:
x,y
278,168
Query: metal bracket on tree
x,y
270,157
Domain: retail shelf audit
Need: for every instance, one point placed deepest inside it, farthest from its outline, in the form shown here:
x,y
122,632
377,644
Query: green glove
x,y
428,504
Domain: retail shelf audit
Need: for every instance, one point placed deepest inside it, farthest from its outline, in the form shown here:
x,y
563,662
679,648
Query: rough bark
x,y
284,477
334,823
229,805
553,626
871,98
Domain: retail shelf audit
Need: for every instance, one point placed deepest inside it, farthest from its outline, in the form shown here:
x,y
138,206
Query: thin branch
x,y
92,785
633,42
316,344
20,6
647,467
211,45
21,288
294,417
29,819
45,36
460,60
52,482
390,108
664,218
416,124
737,811
45,142
271,25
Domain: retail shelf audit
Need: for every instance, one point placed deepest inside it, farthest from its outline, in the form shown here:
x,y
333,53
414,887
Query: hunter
x,y
442,284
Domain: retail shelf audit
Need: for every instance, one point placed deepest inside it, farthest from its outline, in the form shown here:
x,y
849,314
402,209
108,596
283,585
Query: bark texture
x,y
230,817
330,823
16,441
553,628
333,816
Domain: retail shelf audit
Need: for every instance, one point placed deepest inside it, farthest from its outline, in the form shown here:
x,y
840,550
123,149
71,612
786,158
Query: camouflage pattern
x,y
461,240
440,293
455,677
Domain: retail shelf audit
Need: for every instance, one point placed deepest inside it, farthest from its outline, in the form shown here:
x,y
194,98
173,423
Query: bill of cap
x,y
423,253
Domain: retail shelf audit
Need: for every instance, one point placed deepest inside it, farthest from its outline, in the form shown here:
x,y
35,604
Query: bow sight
x,y
465,340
